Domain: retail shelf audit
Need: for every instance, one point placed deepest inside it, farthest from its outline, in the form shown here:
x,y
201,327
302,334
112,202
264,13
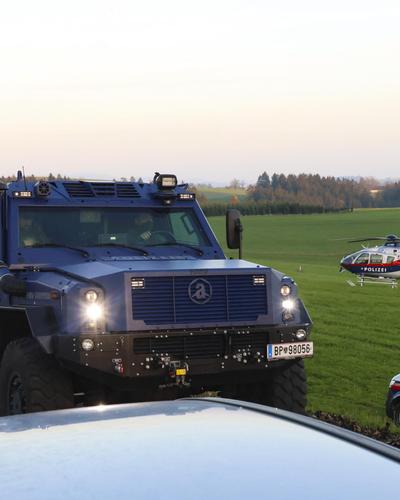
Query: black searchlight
x,y
165,181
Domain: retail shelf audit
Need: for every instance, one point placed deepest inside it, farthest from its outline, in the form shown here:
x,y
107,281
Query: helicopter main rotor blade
x,y
394,239
379,238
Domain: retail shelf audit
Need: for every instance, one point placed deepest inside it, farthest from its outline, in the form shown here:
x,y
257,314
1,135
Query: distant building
x,y
374,192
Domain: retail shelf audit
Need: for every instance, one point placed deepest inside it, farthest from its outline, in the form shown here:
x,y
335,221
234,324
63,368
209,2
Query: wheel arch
x,y
14,324
24,322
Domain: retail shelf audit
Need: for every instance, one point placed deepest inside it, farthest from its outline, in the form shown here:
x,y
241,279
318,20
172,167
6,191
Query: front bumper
x,y
128,355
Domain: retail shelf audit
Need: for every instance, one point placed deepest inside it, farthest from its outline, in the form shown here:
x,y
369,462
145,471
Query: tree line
x,y
332,193
308,193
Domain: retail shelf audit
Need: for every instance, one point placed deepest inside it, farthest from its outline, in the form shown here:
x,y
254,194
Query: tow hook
x,y
178,370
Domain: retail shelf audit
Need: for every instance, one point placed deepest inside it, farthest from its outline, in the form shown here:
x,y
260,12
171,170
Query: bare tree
x,y
234,184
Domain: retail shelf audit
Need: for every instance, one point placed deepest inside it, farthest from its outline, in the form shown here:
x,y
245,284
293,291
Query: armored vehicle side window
x,y
362,258
94,226
376,258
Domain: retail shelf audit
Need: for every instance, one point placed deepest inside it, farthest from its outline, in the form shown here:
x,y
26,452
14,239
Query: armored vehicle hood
x,y
106,268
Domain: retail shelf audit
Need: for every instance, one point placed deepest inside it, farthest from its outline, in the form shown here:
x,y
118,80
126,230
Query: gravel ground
x,y
379,433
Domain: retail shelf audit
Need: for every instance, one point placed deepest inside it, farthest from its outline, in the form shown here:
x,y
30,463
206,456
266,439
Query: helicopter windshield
x,y
362,258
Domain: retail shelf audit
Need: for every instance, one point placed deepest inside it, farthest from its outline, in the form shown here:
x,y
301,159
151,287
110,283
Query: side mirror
x,y
13,286
234,230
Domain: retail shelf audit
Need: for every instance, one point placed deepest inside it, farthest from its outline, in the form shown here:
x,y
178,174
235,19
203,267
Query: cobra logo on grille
x,y
200,291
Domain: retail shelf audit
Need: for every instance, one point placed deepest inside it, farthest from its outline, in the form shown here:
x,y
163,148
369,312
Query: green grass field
x,y
356,330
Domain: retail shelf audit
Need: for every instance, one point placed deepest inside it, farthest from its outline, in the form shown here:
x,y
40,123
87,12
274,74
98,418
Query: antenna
x,y
23,173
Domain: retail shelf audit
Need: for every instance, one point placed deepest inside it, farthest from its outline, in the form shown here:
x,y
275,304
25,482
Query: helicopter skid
x,y
380,280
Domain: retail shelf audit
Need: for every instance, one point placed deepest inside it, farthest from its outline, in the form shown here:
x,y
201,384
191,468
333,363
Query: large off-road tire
x,y
287,388
284,388
31,380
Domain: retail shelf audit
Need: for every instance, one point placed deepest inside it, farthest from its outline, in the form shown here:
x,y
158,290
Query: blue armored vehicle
x,y
119,291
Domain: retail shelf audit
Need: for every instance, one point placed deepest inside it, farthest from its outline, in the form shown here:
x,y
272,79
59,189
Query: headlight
x,y
94,312
301,334
285,290
87,344
288,304
91,296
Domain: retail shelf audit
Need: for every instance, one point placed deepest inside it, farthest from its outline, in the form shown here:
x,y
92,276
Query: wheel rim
x,y
16,395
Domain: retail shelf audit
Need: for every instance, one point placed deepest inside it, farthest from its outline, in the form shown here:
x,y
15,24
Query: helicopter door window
x,y
376,258
389,259
362,259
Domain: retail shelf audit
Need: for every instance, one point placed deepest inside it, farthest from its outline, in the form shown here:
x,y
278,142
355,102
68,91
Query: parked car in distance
x,y
197,448
393,400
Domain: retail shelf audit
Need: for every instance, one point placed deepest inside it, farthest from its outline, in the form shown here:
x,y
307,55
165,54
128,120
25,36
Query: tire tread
x,y
47,386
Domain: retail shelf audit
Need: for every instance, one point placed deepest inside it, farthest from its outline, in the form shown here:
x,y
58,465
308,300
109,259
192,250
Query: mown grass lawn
x,y
356,330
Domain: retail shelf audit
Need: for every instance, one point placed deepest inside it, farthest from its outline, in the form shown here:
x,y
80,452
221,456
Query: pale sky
x,y
208,90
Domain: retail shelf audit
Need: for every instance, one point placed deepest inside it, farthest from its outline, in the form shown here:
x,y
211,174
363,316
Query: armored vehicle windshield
x,y
98,226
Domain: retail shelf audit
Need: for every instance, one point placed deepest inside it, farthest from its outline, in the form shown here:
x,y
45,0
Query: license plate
x,y
290,350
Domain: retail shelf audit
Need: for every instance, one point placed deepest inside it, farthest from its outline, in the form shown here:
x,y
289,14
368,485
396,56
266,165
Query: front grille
x,y
202,346
256,341
167,300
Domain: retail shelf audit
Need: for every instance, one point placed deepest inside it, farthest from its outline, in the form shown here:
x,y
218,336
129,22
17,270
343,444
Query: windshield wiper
x,y
122,245
56,245
176,243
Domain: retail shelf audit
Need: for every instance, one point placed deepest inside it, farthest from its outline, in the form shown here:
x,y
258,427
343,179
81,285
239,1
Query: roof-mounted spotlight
x,y
165,181
42,189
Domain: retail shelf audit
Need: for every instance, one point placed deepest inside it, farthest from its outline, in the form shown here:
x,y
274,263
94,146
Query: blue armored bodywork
x,y
128,279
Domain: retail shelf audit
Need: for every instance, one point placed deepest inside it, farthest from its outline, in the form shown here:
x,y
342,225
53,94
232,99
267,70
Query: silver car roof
x,y
188,449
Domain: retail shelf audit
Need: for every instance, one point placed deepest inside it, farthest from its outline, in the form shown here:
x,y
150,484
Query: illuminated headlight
x,y
288,304
285,290
301,334
91,296
94,312
87,344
